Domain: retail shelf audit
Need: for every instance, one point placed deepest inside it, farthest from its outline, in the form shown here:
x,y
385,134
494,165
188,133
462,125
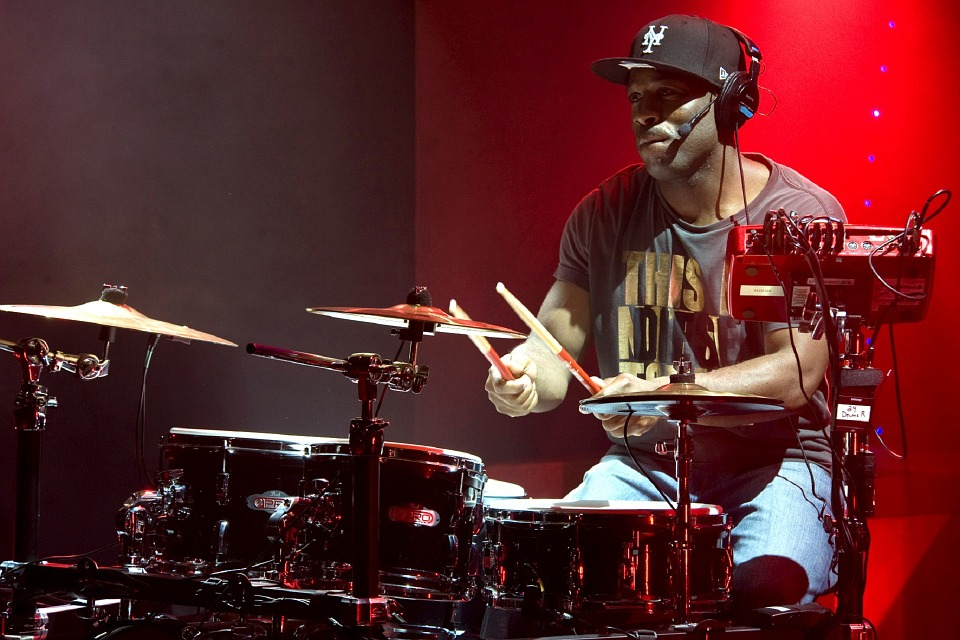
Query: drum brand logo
x,y
267,501
412,514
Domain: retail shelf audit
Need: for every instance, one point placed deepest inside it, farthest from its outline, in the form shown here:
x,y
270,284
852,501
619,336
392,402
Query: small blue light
x,y
876,113
879,431
891,24
872,158
867,203
883,68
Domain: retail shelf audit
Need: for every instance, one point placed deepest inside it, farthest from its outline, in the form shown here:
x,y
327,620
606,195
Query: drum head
x,y
600,507
495,489
241,441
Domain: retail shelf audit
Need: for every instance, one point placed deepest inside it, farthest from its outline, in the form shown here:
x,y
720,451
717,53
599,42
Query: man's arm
x,y
775,374
772,375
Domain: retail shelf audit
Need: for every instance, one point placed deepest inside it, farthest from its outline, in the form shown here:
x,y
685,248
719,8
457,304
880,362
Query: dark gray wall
x,y
232,163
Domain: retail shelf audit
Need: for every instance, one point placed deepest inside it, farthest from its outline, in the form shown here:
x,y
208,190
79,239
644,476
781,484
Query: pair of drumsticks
x,y
537,327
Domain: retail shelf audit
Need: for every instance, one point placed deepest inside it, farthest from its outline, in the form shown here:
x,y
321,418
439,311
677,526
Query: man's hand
x,y
626,383
516,397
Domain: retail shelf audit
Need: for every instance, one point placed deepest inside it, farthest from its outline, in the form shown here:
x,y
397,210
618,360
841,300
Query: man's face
x,y
660,103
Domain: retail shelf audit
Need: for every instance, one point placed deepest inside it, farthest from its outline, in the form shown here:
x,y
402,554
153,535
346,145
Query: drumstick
x,y
482,344
554,346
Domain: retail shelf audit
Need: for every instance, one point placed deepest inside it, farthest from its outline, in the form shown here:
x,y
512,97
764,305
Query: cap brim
x,y
618,69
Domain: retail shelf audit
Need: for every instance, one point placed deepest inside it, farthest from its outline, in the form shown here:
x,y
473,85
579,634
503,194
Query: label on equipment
x,y
267,501
833,282
799,297
415,515
882,296
761,290
853,412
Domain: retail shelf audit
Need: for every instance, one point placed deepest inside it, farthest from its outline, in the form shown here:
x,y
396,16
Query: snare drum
x,y
238,500
580,555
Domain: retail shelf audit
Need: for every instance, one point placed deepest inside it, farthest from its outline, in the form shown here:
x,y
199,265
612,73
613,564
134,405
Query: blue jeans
x,y
782,553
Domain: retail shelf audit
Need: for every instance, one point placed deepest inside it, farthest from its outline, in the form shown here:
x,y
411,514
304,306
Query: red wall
x,y
512,129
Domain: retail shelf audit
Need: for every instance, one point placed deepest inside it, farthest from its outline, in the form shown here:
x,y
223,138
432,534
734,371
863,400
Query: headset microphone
x,y
684,130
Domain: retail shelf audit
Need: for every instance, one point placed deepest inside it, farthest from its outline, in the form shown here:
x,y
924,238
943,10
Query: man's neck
x,y
715,193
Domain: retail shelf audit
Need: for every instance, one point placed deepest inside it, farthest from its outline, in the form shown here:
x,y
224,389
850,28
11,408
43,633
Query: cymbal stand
x,y
30,417
366,446
684,414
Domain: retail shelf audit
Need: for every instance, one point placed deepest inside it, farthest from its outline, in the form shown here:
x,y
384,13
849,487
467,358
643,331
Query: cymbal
x,y
121,316
689,402
401,315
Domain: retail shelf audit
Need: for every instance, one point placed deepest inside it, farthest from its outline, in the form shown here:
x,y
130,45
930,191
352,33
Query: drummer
x,y
640,273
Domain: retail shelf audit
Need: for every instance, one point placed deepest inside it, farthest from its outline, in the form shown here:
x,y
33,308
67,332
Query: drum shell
x,y
233,483
428,514
570,560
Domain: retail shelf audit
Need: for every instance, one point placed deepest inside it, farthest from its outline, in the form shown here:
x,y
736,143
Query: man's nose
x,y
645,114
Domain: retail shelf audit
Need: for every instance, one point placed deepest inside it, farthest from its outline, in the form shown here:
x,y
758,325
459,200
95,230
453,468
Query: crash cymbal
x,y
402,314
690,402
111,314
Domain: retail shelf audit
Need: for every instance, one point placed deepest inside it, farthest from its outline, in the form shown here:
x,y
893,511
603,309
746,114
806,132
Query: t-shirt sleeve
x,y
574,265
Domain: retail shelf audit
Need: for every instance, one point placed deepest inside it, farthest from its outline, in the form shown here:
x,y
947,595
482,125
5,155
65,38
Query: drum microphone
x,y
684,130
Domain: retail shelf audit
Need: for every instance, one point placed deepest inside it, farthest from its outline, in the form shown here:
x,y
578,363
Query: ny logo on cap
x,y
652,38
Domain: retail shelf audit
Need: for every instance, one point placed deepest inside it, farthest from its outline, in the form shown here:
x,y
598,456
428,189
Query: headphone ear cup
x,y
737,101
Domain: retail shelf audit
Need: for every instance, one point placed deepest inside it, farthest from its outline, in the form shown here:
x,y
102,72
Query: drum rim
x,y
305,445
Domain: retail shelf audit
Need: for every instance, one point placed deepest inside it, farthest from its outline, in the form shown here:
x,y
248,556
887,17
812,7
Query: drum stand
x,y
30,417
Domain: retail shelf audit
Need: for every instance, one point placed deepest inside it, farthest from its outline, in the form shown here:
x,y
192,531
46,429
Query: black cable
x,y
383,392
924,218
141,427
796,355
896,389
640,468
914,223
793,346
844,538
743,181
917,220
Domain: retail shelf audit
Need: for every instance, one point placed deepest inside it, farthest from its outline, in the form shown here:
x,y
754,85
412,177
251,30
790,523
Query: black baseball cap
x,y
690,45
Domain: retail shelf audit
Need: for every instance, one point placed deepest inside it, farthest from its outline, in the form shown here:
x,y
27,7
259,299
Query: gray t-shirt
x,y
657,289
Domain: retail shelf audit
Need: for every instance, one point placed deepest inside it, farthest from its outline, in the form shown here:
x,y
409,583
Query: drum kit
x,y
271,535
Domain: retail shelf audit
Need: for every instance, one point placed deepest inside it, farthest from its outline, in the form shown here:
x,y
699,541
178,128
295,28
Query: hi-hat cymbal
x,y
121,316
689,402
402,314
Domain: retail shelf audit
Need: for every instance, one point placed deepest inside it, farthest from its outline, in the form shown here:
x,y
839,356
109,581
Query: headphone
x,y
740,94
